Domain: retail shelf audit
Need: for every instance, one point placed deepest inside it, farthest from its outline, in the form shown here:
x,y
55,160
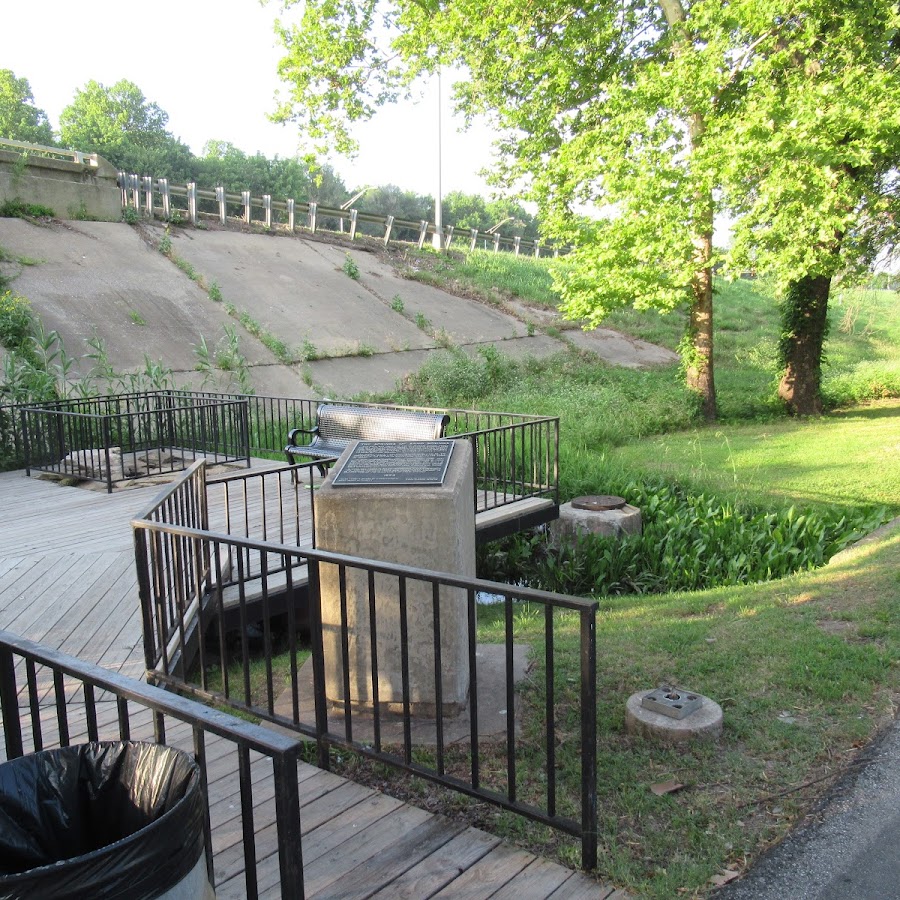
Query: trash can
x,y
108,820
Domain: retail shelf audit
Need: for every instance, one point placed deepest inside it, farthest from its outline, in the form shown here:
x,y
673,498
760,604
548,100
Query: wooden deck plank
x,y
488,875
395,860
71,584
441,867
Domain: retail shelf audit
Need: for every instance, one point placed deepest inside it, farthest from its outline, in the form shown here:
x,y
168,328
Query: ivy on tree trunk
x,y
804,327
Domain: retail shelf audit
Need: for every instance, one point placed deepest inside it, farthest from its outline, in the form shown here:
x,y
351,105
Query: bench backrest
x,y
342,424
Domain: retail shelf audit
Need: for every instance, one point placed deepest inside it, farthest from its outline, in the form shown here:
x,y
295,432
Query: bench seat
x,y
337,426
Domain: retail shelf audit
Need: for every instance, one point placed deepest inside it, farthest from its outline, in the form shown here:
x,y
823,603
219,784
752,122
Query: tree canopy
x,y
20,119
661,114
121,125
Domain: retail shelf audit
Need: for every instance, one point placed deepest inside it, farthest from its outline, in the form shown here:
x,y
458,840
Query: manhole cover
x,y
598,502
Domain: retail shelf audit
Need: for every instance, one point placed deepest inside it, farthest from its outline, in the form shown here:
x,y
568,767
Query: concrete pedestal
x,y
429,527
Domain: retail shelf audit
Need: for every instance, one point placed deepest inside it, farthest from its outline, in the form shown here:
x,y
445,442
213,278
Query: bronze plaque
x,y
392,463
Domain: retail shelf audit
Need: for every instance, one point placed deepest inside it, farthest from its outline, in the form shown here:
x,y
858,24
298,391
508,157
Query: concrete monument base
x,y
431,527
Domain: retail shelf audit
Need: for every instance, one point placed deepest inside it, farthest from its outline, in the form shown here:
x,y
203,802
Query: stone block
x,y
429,527
607,522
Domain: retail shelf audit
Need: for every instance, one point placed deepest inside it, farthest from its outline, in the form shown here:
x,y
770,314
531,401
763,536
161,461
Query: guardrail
x,y
61,697
156,196
76,156
185,573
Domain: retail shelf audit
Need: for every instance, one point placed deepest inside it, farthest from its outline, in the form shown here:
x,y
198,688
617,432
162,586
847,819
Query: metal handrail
x,y
282,750
181,577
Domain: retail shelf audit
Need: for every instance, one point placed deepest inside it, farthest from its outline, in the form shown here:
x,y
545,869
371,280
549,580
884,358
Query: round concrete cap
x,y
703,723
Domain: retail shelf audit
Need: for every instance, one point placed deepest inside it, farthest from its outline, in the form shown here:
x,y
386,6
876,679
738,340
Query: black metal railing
x,y
194,581
49,699
131,436
516,456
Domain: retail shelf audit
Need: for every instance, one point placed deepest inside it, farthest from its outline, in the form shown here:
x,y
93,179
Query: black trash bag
x,y
110,820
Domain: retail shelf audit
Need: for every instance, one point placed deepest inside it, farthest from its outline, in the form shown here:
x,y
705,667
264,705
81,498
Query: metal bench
x,y
337,426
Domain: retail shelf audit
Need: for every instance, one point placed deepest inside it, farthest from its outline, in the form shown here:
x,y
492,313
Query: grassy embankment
x,y
804,666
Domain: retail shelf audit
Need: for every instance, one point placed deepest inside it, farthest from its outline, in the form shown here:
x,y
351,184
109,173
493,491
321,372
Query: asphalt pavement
x,y
849,848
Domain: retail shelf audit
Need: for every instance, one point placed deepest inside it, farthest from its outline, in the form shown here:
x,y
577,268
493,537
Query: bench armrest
x,y
292,434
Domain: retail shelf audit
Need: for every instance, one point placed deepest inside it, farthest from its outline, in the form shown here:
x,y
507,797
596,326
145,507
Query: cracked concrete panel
x,y
464,321
102,278
295,289
621,350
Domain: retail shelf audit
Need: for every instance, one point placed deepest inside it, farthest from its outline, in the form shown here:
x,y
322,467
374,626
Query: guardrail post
x,y
474,236
163,184
537,250
148,195
517,243
121,180
135,185
290,212
448,239
220,199
388,225
313,215
497,243
267,206
354,215
423,230
192,201
245,199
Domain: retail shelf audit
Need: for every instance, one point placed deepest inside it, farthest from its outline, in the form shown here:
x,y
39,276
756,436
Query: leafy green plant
x,y
397,304
308,351
215,292
136,317
423,323
130,215
17,322
165,243
350,268
16,208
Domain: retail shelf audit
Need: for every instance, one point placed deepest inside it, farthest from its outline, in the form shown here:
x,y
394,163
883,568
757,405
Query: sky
x,y
211,65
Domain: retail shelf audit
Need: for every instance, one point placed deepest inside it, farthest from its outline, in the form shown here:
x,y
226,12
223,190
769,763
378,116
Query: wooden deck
x,y
67,580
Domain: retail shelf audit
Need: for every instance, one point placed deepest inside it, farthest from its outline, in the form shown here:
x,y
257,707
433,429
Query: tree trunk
x,y
804,327
699,368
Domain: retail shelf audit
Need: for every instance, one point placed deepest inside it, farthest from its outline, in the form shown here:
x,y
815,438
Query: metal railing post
x,y
589,738
267,207
245,200
388,226
290,212
9,704
317,648
313,216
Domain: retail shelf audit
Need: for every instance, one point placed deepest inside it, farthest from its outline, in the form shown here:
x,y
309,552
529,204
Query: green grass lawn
x,y
850,458
805,669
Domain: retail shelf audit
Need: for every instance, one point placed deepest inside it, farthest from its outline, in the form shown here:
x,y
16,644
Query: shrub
x,y
16,321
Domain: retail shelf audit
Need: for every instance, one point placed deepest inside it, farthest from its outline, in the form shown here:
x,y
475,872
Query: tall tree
x,y
121,125
580,94
642,108
20,119
810,154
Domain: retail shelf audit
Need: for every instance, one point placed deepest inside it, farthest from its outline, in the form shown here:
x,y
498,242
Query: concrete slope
x,y
102,278
346,336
